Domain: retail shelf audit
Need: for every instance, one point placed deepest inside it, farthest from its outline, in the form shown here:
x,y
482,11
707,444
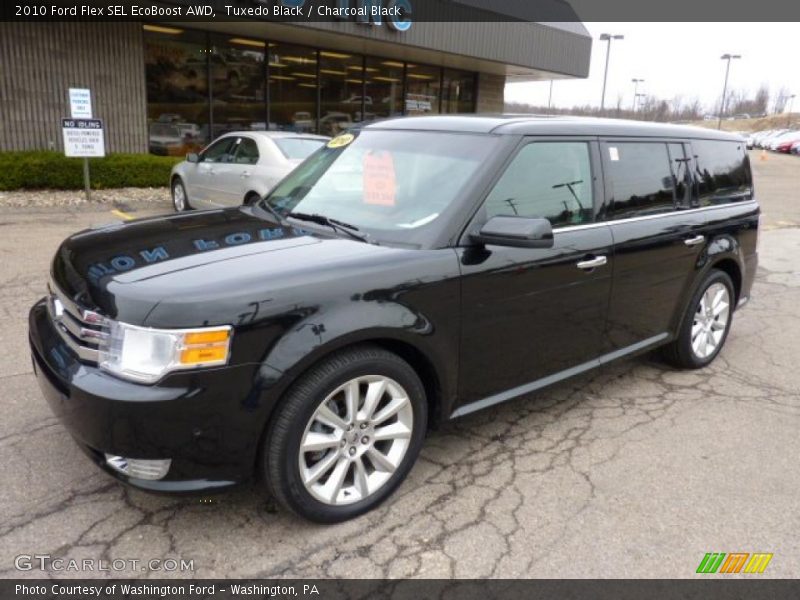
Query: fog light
x,y
139,468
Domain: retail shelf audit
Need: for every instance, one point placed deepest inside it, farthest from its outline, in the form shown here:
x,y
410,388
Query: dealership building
x,y
168,86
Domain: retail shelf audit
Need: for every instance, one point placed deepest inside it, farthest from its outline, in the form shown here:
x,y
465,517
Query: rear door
x,y
233,178
655,245
531,314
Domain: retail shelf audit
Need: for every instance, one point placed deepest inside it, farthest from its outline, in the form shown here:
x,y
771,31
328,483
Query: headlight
x,y
146,355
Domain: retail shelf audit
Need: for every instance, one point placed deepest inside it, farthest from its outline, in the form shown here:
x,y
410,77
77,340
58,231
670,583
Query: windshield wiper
x,y
336,225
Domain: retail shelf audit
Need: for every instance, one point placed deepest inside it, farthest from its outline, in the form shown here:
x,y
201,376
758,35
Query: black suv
x,y
409,272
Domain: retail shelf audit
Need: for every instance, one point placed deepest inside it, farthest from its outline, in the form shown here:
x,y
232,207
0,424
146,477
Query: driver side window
x,y
551,180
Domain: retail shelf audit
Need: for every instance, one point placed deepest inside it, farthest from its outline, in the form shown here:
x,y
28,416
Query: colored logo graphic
x,y
734,562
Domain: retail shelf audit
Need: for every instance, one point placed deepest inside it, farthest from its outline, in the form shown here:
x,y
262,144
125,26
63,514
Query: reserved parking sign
x,y
83,138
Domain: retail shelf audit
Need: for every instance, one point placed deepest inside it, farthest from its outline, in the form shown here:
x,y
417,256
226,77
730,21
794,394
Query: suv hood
x,y
124,269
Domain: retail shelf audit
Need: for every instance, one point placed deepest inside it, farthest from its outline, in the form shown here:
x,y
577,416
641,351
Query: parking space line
x,y
122,215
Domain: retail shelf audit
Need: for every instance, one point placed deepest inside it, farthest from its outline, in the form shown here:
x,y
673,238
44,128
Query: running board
x,y
560,376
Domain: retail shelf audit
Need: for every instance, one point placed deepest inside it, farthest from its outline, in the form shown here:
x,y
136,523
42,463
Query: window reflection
x,y
292,88
196,79
422,90
177,90
237,80
384,96
458,92
341,80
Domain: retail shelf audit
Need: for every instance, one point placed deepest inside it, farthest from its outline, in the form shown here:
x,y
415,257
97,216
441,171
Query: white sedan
x,y
238,168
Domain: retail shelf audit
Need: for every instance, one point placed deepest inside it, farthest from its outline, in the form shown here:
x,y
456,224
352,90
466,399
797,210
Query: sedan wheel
x,y
179,200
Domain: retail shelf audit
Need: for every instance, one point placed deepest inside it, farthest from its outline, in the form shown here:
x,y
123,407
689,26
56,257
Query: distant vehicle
x,y
166,139
357,100
776,140
785,142
301,121
239,167
334,123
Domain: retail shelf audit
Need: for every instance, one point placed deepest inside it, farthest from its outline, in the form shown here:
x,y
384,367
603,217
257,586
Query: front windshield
x,y
384,181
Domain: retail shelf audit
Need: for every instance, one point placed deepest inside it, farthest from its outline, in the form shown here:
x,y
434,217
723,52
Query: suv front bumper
x,y
208,422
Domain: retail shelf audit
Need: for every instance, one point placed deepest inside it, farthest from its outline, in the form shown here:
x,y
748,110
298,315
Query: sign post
x,y
83,138
80,109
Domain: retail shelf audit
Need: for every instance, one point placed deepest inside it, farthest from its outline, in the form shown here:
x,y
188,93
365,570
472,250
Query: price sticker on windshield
x,y
613,153
341,140
380,179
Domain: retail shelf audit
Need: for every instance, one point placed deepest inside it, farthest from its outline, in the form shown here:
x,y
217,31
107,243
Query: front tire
x,y
346,436
180,200
705,326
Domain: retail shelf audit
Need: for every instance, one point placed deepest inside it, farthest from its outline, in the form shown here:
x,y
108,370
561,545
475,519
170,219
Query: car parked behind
x,y
239,168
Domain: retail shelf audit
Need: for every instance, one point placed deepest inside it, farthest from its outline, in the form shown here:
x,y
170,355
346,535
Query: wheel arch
x,y
425,366
732,268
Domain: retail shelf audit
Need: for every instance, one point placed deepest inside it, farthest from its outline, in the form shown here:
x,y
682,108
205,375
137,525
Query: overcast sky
x,y
678,59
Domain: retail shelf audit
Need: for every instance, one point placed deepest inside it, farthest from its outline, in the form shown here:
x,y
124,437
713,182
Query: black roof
x,y
550,125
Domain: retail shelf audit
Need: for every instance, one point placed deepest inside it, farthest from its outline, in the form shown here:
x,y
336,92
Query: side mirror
x,y
192,157
517,232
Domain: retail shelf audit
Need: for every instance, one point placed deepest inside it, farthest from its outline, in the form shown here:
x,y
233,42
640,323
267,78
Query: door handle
x,y
694,241
588,265
245,174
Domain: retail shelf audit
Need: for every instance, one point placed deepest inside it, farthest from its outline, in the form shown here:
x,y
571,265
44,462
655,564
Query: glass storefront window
x,y
458,93
341,79
177,89
422,90
384,92
292,88
237,84
196,79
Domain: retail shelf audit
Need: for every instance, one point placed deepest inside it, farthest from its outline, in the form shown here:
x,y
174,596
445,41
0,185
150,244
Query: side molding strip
x,y
556,377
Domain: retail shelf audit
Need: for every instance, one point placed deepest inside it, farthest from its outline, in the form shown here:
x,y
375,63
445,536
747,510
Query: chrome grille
x,y
85,332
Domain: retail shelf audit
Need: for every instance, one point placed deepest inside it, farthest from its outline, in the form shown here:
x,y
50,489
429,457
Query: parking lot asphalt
x,y
636,470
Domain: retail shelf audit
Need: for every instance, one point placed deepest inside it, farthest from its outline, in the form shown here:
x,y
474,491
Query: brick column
x,y
491,93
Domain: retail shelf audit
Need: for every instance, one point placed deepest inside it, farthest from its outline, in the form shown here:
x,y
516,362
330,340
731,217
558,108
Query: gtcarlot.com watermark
x,y
46,562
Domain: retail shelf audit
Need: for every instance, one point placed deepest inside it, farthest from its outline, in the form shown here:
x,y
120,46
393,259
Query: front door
x,y
534,316
203,187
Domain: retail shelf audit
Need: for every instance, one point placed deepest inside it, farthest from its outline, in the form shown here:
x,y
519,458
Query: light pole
x,y
636,83
789,112
607,37
550,97
639,96
726,57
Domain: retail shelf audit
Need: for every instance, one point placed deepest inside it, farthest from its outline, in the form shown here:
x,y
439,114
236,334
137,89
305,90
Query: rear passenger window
x,y
641,179
550,180
247,152
722,171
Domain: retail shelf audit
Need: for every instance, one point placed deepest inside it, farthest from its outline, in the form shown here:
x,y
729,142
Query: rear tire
x,y
180,200
705,325
347,434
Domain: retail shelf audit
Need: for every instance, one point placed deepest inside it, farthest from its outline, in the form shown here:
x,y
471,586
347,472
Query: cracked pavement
x,y
636,470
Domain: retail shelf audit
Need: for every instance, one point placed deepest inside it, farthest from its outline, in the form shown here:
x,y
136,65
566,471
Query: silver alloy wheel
x,y
178,196
355,440
710,320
